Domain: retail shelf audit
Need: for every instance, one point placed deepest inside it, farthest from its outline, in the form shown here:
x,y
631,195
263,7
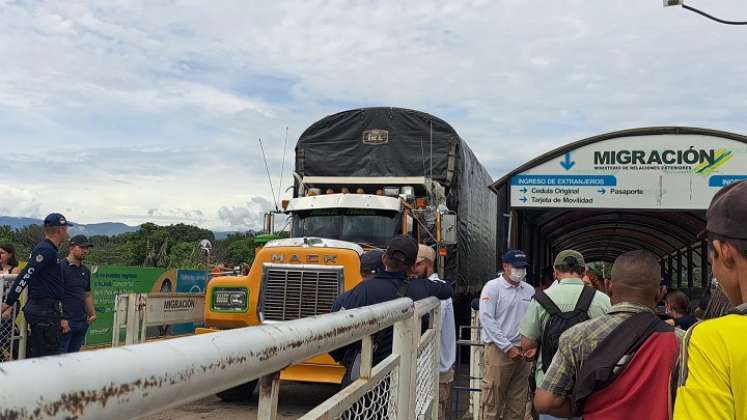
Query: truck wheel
x,y
239,393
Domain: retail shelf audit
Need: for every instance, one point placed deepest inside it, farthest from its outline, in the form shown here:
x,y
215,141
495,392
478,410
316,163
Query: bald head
x,y
635,278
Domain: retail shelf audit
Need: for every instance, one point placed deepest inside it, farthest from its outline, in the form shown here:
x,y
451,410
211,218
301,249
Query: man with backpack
x,y
557,309
616,366
713,367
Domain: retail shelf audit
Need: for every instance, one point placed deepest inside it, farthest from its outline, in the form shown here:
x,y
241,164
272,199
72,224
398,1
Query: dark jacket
x,y
42,275
384,287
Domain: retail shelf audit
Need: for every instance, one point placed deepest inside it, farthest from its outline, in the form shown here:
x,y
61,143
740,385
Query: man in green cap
x,y
558,308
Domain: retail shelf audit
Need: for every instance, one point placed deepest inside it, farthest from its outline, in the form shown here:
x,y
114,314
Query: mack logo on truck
x,y
375,136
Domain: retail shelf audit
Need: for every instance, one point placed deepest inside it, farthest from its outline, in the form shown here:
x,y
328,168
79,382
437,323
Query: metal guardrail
x,y
138,380
13,332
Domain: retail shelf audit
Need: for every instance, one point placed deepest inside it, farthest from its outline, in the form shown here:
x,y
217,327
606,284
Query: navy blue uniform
x,y
385,286
77,286
42,275
43,311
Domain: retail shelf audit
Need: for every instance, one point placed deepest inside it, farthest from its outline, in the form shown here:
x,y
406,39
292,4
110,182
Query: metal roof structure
x,y
602,234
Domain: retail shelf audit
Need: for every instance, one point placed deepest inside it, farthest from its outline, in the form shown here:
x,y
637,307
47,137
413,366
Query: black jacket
x,y
42,275
384,287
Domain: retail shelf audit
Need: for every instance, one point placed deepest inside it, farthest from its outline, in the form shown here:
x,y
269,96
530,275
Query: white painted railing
x,y
137,380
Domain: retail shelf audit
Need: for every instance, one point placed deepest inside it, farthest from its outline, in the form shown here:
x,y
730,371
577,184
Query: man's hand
x,y
92,319
6,311
65,326
514,353
530,354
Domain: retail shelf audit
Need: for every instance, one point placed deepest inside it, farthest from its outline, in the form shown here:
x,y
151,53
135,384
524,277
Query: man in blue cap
x,y
503,303
43,276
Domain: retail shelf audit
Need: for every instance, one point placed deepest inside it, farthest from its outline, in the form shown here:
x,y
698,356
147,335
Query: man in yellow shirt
x,y
713,375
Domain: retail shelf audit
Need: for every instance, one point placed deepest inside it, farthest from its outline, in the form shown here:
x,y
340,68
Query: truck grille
x,y
294,291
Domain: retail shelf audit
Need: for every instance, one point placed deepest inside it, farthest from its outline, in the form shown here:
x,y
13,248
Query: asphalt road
x,y
294,401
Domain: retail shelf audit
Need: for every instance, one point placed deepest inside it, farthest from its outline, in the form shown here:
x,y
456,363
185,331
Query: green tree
x,y
240,251
184,255
6,234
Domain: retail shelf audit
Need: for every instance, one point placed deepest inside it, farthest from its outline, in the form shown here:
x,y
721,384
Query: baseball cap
x,y
80,240
425,253
517,258
56,220
726,215
403,249
371,261
563,256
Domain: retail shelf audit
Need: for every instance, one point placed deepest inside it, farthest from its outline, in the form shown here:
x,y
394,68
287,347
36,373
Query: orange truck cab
x,y
289,279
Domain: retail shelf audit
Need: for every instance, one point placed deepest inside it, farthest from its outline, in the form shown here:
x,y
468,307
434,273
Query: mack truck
x,y
361,177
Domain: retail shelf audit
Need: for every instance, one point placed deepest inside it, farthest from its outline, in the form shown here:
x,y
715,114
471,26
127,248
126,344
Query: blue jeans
x,y
72,341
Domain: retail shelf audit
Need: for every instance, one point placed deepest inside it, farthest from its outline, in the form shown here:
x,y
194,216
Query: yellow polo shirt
x,y
716,385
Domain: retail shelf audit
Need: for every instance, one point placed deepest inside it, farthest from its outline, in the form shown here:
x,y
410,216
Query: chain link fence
x,y
427,374
378,403
13,330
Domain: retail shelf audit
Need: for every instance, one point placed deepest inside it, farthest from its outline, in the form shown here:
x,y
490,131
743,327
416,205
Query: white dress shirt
x,y
502,306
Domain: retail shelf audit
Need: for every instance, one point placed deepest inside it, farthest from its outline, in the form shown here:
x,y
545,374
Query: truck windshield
x,y
362,226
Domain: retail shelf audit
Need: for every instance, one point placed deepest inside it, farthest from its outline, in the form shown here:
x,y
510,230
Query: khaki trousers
x,y
505,385
444,391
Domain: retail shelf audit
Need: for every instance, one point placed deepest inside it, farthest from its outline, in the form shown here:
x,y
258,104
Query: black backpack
x,y
560,321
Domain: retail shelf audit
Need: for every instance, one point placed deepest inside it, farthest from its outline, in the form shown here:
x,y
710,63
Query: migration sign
x,y
642,172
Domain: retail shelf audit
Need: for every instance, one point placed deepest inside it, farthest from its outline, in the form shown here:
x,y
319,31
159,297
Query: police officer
x,y
43,276
399,259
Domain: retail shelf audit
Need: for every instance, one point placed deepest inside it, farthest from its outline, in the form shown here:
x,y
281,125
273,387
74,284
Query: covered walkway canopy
x,y
645,188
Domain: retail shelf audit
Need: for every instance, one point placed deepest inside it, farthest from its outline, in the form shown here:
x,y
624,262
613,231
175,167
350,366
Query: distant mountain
x,y
18,222
107,229
93,229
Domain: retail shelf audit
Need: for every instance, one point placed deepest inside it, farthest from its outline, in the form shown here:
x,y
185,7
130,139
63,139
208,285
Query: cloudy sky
x,y
150,111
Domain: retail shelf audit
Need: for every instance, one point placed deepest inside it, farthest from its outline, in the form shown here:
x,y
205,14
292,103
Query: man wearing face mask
x,y
503,303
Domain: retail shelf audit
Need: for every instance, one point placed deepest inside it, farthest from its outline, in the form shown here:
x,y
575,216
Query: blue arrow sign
x,y
601,191
523,199
524,190
567,164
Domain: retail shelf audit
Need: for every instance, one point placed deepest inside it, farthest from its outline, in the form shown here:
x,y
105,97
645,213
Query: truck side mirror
x,y
449,229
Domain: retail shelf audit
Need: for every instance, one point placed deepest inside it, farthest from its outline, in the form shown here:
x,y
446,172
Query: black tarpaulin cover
x,y
400,142
376,142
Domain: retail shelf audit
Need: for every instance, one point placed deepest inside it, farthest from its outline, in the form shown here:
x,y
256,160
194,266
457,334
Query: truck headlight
x,y
230,299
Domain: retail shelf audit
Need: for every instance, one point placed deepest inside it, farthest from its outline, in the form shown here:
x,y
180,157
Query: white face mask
x,y
518,274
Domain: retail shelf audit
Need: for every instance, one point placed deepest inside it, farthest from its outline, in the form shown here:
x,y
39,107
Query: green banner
x,y
109,281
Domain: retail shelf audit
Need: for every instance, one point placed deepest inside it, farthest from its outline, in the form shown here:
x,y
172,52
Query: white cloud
x,y
159,105
245,217
19,202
